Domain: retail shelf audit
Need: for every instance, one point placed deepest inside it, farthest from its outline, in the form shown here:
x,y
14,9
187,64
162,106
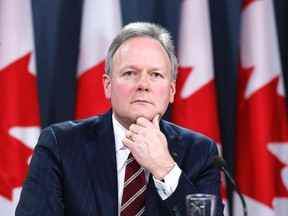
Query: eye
x,y
129,73
157,75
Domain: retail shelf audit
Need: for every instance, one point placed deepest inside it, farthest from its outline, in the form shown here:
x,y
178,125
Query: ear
x,y
172,91
107,86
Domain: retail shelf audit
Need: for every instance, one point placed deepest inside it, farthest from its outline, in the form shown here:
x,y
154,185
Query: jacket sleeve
x,y
198,176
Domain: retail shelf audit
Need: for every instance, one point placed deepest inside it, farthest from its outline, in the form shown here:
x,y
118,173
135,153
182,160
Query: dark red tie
x,y
133,200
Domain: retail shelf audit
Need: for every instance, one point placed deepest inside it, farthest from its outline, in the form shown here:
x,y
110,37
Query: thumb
x,y
155,121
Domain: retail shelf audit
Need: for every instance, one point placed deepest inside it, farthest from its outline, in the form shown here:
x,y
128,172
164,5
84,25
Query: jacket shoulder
x,y
184,133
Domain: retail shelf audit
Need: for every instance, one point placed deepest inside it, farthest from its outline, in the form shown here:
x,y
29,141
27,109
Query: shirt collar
x,y
119,133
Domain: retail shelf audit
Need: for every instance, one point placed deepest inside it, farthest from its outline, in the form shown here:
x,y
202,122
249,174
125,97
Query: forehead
x,y
141,41
142,48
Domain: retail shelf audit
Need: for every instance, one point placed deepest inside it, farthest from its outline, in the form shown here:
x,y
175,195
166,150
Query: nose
x,y
143,83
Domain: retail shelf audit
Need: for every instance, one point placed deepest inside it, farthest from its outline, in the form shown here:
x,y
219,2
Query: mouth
x,y
141,101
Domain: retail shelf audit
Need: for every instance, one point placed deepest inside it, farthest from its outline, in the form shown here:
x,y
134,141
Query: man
x,y
78,167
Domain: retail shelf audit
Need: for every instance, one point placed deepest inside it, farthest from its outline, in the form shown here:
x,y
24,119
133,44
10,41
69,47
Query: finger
x,y
127,143
143,122
129,135
155,121
135,128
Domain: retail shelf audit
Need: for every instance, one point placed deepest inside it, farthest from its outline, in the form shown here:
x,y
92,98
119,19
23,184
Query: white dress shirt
x,y
165,189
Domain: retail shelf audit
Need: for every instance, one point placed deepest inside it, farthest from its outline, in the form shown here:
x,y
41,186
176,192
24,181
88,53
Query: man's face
x,y
141,84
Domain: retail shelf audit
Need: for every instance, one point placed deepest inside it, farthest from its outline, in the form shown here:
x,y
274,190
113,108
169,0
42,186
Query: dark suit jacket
x,y
73,171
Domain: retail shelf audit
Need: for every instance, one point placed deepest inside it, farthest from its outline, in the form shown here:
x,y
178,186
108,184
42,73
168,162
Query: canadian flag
x,y
262,121
100,23
195,104
19,109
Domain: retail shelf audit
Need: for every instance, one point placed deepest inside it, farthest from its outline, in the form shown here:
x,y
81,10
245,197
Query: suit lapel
x,y
101,159
176,148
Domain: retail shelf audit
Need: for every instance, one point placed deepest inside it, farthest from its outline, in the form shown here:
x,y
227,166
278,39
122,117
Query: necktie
x,y
133,200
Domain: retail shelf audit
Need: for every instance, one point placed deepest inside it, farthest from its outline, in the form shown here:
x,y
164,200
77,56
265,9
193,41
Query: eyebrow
x,y
138,68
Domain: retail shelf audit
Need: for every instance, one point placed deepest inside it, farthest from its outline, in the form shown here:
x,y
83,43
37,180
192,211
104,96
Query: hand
x,y
149,147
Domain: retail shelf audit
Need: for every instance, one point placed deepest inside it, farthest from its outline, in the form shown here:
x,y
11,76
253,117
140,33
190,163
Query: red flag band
x,y
195,105
19,110
100,24
262,124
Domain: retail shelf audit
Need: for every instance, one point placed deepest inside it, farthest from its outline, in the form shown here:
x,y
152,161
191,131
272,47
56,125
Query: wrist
x,y
163,171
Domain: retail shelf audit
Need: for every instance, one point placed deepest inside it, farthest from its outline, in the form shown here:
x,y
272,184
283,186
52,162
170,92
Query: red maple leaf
x,y
261,119
90,93
198,111
19,107
246,3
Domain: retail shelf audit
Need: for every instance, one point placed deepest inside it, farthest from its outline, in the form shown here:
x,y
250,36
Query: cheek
x,y
163,93
167,94
120,91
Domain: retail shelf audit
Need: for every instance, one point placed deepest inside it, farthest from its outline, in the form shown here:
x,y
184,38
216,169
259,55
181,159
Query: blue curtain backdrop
x,y
57,30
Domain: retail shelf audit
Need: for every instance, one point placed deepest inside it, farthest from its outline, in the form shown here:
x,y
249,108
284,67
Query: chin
x,y
146,115
145,112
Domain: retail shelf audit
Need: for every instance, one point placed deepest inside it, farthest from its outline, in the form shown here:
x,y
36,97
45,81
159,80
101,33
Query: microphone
x,y
221,164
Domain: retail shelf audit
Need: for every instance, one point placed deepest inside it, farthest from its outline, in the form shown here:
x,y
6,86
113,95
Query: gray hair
x,y
143,29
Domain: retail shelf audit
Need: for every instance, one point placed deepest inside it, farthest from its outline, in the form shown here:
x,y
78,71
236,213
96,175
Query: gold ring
x,y
130,135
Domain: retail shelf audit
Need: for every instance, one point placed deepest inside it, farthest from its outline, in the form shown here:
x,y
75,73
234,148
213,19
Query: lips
x,y
141,101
